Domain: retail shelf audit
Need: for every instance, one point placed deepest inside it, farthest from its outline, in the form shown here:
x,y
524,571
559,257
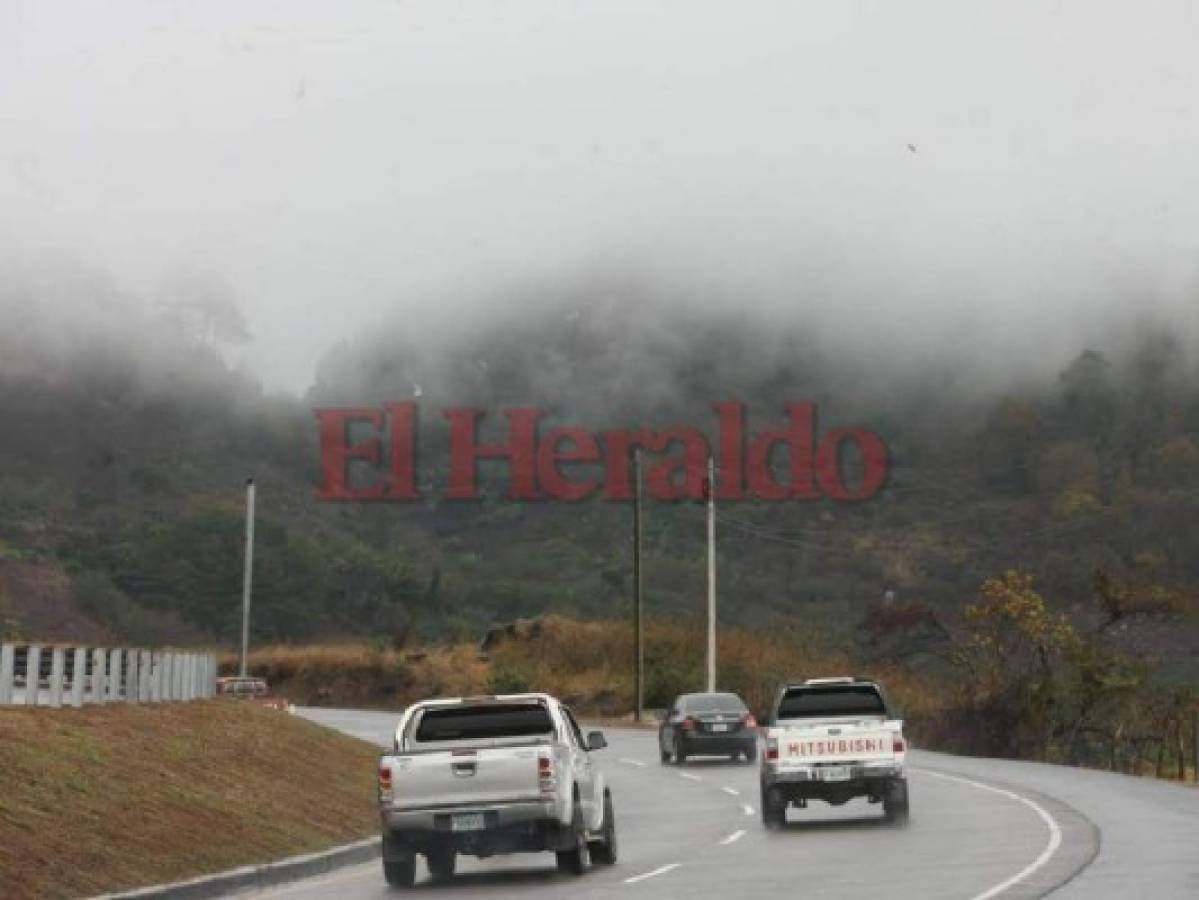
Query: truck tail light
x,y
545,775
772,750
688,724
385,792
748,721
897,744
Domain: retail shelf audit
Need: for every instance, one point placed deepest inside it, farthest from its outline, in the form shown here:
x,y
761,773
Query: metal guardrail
x,y
56,676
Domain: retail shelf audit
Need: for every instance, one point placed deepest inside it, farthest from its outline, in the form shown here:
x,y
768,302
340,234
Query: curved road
x,y
979,829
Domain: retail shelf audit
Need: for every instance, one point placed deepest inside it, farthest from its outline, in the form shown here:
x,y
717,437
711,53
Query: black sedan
x,y
708,725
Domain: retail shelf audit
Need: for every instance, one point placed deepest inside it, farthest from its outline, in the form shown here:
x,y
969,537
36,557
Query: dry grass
x,y
587,663
366,677
108,798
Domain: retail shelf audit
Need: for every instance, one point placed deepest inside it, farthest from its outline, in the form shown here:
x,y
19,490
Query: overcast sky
x,y
924,167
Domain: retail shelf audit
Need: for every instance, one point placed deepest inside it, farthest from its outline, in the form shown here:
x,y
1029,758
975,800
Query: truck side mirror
x,y
596,740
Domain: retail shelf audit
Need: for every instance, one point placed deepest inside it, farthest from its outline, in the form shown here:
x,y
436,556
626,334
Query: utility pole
x,y
638,654
247,577
710,490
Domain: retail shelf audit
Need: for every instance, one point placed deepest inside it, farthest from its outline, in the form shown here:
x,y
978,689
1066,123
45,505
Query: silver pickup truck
x,y
489,775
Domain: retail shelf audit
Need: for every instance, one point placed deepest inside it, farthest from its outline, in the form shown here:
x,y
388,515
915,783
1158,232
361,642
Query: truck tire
x,y
441,864
774,814
895,801
680,755
400,873
751,755
573,861
603,851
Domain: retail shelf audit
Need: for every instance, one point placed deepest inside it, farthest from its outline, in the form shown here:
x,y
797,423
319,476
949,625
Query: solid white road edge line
x,y
735,836
1055,832
732,792
661,870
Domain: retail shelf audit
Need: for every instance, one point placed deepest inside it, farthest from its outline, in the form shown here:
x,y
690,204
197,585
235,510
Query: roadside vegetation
x,y
121,518
110,798
1007,678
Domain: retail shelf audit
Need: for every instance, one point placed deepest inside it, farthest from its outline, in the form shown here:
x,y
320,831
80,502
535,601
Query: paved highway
x,y
979,829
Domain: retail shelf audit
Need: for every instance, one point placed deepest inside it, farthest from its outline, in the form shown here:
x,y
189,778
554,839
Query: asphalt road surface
x,y
979,829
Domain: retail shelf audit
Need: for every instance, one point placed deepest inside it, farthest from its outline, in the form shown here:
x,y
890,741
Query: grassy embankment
x,y
108,798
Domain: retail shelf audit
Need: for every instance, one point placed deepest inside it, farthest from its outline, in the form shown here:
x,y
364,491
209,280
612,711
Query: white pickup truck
x,y
488,775
833,739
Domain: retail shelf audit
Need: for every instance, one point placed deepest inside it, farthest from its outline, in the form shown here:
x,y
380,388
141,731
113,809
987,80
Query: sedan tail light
x,y
385,792
748,721
772,750
897,745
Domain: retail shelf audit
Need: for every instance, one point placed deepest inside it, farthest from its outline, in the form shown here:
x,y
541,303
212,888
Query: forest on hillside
x,y
127,439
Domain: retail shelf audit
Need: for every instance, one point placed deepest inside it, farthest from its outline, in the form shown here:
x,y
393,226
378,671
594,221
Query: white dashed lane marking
x,y
661,870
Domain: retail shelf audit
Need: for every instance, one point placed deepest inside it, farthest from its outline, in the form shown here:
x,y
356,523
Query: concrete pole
x,y
58,665
7,664
247,578
33,675
78,676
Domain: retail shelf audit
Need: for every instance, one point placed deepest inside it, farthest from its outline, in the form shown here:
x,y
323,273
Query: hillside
x,y
121,488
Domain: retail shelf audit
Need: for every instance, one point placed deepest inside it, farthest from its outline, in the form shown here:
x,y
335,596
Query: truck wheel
x,y
751,755
665,756
774,814
895,801
574,860
441,864
680,755
603,851
400,873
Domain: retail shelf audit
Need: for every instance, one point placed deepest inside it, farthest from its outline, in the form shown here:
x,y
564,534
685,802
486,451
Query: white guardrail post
x,y
78,676
8,655
58,664
99,670
33,675
131,682
82,675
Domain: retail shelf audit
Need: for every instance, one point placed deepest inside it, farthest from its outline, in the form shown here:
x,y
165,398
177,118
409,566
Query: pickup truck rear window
x,y
816,702
468,723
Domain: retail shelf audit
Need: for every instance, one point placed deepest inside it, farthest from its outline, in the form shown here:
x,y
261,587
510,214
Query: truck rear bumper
x,y
864,781
507,828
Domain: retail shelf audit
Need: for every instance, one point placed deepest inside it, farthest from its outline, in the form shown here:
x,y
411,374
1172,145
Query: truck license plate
x,y
720,727
834,773
467,822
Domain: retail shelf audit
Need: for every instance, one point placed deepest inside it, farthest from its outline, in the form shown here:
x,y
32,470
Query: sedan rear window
x,y
813,702
700,703
467,723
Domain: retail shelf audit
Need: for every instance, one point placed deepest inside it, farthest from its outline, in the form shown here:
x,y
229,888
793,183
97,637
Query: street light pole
x,y
247,577
711,491
638,646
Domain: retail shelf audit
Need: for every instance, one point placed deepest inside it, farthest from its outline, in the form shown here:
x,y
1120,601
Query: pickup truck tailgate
x,y
849,744
448,778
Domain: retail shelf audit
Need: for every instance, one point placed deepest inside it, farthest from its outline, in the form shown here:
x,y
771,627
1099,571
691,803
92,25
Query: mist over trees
x,y
129,435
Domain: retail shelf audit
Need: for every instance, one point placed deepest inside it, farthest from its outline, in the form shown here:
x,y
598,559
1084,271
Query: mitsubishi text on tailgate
x,y
488,775
833,739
